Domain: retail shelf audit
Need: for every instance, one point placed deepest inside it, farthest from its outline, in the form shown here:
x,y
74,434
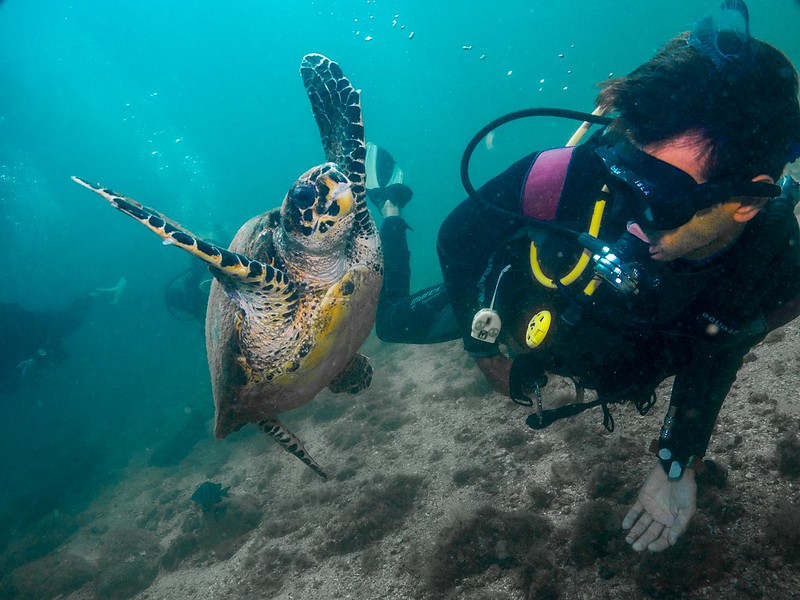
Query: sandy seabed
x,y
438,489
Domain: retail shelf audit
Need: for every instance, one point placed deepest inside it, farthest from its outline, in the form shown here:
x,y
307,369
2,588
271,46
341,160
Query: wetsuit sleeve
x,y
699,391
783,305
468,239
701,386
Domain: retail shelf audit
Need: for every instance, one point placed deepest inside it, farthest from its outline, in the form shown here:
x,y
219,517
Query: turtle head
x,y
319,208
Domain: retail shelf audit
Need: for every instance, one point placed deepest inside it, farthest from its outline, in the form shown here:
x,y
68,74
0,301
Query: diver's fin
x,y
113,293
724,36
224,261
397,193
278,432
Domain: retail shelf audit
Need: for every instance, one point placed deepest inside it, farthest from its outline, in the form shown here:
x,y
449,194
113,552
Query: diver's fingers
x,y
632,515
639,528
661,543
653,532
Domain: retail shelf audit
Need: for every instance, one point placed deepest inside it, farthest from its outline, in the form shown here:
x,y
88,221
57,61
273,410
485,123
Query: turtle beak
x,y
339,197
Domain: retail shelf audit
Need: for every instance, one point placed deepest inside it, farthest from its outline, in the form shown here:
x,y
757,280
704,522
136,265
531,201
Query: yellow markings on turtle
x,y
538,328
248,372
250,375
173,234
329,315
339,193
236,269
237,324
346,202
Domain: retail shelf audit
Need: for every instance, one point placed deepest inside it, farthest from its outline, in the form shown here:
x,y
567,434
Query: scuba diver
x,y
186,294
33,339
659,247
401,317
395,320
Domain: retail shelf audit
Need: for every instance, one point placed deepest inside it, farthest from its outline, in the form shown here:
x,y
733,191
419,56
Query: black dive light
x,y
620,264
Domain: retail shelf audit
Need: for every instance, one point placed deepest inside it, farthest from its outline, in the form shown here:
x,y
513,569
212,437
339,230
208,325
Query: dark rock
x,y
540,497
53,576
783,532
697,560
381,510
596,533
489,539
788,453
215,535
45,536
604,482
566,471
128,563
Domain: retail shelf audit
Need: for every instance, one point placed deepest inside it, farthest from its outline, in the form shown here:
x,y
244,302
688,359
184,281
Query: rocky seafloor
x,y
438,489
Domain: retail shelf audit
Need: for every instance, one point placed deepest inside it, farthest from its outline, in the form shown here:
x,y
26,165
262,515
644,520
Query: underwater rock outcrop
x,y
213,535
488,539
54,576
128,563
380,510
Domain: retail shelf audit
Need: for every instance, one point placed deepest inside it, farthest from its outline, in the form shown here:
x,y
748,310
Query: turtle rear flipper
x,y
354,378
278,432
225,262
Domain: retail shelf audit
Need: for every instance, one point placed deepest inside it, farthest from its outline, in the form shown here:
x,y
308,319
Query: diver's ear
x,y
751,207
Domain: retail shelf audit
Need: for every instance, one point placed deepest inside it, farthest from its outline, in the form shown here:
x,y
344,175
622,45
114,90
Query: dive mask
x,y
660,196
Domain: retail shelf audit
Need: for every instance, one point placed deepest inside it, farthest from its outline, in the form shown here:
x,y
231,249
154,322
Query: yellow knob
x,y
538,327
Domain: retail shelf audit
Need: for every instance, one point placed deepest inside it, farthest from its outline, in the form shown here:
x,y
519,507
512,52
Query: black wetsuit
x,y
185,296
694,320
35,335
425,317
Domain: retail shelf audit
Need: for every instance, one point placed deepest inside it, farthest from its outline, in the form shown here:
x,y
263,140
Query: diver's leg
x,y
396,261
421,318
52,325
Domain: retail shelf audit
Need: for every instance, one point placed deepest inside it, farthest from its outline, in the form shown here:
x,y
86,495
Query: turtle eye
x,y
303,195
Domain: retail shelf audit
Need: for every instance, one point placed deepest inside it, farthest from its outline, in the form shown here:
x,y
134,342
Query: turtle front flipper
x,y
337,109
278,432
354,378
336,105
230,263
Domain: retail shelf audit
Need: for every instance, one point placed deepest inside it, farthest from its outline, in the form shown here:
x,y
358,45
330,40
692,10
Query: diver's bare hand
x,y
662,511
496,370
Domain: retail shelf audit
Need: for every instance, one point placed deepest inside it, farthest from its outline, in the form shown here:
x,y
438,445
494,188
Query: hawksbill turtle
x,y
295,294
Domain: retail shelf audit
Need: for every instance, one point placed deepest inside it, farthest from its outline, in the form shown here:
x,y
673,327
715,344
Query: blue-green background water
x,y
197,108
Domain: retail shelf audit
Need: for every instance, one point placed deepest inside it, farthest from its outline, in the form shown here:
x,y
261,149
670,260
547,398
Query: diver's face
x,y
710,230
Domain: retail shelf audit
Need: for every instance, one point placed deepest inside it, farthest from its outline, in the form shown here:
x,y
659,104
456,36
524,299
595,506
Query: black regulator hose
x,y
562,113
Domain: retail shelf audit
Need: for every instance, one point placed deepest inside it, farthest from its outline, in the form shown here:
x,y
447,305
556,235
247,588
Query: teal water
x,y
197,108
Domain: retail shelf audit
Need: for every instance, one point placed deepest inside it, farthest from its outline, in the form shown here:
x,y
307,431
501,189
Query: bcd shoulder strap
x,y
544,183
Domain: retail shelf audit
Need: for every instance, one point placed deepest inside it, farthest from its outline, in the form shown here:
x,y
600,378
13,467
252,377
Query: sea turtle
x,y
295,294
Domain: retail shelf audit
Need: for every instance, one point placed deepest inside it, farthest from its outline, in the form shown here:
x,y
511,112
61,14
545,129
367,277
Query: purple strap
x,y
544,183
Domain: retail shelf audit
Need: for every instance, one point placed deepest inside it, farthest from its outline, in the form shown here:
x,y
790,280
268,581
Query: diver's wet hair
x,y
749,115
